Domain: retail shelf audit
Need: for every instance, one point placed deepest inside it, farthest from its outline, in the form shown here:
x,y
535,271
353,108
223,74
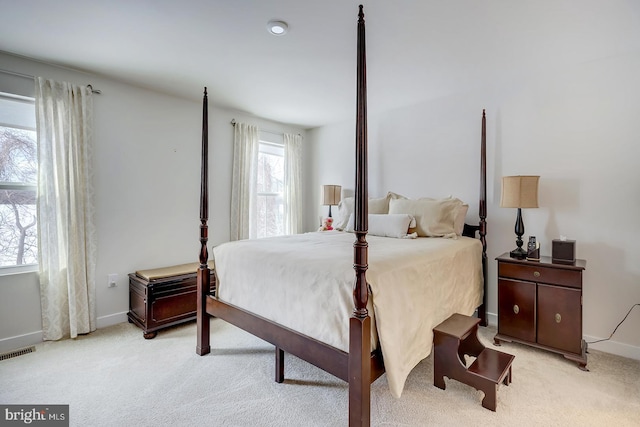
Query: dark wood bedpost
x,y
360,322
204,275
482,310
481,228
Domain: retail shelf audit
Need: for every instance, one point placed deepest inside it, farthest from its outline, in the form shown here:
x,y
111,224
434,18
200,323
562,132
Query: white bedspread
x,y
305,282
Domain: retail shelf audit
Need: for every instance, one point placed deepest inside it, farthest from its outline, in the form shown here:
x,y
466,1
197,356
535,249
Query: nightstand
x,y
540,304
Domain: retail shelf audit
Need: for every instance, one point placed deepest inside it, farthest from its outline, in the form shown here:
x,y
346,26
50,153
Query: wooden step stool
x,y
456,337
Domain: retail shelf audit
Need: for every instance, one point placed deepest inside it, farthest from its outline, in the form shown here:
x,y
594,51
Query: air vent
x,y
16,353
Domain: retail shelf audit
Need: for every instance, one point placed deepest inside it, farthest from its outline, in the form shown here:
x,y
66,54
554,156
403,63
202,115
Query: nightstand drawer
x,y
540,274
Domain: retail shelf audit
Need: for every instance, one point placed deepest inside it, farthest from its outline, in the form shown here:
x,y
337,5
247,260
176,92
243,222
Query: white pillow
x,y
345,208
386,225
434,218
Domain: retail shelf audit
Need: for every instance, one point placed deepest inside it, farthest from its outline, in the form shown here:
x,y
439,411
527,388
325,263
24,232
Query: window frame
x,y
269,146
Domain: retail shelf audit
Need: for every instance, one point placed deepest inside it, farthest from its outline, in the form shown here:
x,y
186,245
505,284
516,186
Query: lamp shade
x,y
519,191
331,194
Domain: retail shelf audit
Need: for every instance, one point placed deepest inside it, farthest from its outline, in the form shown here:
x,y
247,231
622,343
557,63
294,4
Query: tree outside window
x,y
18,178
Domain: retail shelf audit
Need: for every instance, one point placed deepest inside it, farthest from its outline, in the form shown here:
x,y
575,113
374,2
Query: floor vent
x,y
17,353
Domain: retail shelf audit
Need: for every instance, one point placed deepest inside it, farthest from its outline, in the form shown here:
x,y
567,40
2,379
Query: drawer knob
x,y
558,318
536,274
516,309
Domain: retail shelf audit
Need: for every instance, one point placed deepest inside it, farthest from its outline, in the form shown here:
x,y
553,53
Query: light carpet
x,y
114,377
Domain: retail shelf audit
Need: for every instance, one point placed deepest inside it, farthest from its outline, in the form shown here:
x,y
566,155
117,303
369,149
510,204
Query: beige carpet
x,y
114,377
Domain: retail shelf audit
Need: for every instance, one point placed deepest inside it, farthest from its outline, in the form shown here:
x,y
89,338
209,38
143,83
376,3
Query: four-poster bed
x,y
358,359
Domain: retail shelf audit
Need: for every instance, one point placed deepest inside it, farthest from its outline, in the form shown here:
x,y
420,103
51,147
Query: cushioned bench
x,y
163,297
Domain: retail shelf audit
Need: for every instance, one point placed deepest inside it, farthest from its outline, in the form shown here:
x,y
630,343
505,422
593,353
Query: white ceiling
x,y
416,50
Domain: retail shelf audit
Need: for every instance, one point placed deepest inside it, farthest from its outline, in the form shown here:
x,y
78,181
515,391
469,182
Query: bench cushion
x,y
175,270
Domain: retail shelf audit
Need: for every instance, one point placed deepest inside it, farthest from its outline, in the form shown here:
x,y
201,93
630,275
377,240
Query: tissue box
x,y
563,251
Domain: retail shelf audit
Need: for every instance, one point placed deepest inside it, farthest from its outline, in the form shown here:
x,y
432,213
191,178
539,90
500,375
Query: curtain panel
x,y
66,230
292,183
245,159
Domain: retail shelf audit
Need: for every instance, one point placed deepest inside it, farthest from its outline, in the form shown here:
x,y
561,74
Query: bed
x,y
316,310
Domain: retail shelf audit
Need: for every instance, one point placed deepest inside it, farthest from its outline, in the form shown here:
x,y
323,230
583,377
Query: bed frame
x,y
359,367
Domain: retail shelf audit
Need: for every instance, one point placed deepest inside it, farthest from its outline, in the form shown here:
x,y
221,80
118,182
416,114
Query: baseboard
x,y
614,347
492,319
20,341
112,319
33,338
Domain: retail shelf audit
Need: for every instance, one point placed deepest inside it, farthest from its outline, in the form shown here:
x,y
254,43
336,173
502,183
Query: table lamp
x,y
331,195
519,192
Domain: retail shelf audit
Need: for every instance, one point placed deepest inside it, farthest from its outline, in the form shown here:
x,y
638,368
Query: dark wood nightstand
x,y
540,304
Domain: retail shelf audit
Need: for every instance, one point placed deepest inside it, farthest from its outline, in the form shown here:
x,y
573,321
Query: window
x,y
270,190
265,189
18,179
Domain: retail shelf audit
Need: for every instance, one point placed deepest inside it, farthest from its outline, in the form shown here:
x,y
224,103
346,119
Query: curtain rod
x,y
233,123
27,76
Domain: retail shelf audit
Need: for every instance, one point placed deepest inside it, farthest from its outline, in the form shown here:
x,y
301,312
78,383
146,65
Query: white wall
x,y
577,127
147,186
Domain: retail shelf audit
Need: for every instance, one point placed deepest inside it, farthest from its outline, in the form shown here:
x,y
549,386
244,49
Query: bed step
x,y
492,365
456,338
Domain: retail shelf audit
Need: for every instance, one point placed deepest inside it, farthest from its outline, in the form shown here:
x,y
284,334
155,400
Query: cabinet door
x,y
560,318
517,309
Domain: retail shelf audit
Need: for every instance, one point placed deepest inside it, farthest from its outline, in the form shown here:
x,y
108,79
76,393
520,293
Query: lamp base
x,y
518,253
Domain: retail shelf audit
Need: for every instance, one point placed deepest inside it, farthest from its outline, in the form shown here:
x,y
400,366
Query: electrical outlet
x,y
112,280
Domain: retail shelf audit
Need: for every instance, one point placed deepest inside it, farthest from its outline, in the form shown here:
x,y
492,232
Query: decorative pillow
x,y
386,225
347,206
378,206
434,217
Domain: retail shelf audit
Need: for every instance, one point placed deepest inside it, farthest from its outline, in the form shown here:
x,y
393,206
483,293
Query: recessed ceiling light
x,y
277,28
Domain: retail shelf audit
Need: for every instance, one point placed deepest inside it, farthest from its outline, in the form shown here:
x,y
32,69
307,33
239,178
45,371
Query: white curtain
x,y
66,231
292,181
245,159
